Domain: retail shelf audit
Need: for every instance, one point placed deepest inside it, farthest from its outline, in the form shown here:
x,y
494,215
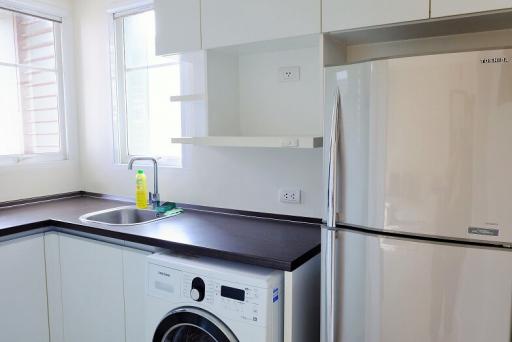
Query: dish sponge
x,y
169,209
173,212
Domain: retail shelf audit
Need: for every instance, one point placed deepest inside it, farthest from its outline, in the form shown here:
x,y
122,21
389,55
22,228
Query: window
x,y
31,115
145,118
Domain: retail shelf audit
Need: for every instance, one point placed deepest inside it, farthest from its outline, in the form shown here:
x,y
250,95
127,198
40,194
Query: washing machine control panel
x,y
236,300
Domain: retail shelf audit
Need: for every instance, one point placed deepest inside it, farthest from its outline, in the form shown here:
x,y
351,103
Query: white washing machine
x,y
205,300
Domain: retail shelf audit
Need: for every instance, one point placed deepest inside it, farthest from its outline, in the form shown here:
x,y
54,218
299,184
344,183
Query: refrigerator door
x,y
397,290
426,144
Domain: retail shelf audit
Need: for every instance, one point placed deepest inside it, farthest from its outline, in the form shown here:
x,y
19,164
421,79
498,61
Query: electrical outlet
x,y
289,74
289,196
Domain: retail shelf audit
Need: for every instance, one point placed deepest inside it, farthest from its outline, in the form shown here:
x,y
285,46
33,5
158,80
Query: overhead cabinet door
x,y
178,26
441,8
231,22
348,14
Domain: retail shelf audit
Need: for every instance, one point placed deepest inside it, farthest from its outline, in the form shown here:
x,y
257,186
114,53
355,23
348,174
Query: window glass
x,y
145,82
29,85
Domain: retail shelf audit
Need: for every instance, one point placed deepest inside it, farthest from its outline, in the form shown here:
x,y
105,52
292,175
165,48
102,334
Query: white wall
x,y
246,179
270,107
23,181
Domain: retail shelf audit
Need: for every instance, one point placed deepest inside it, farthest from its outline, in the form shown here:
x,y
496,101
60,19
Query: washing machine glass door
x,y
189,324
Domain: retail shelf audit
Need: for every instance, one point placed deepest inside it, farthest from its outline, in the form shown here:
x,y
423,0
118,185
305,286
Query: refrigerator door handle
x,y
333,161
330,316
330,278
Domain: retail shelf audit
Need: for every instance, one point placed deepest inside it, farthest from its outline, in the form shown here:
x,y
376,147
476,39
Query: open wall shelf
x,y
302,142
239,96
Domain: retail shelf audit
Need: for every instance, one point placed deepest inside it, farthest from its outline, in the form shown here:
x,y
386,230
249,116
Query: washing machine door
x,y
189,324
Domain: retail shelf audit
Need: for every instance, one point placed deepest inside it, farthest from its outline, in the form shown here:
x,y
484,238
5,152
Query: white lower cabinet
x,y
92,290
134,264
23,301
102,288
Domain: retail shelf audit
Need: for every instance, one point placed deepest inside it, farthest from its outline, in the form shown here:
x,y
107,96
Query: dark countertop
x,y
272,243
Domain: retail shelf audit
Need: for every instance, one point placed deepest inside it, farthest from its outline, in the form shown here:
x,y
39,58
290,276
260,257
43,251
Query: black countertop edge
x,y
173,246
260,215
25,227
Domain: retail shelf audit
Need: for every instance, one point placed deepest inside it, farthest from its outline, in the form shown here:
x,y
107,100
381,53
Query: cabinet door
x,y
230,22
92,290
134,263
348,14
53,284
23,305
441,8
178,26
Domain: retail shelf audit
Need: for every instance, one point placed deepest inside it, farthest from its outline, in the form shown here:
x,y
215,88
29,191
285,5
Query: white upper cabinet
x,y
441,8
178,26
231,22
348,14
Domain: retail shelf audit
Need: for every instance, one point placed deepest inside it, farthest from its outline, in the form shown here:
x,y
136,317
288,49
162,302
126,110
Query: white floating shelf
x,y
183,98
261,141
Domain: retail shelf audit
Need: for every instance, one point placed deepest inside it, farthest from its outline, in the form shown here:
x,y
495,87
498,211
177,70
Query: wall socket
x,y
289,196
289,74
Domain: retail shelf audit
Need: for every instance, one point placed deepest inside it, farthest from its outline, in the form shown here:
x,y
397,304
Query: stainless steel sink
x,y
123,216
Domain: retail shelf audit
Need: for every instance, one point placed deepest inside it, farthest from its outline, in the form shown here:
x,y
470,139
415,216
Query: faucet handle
x,y
156,200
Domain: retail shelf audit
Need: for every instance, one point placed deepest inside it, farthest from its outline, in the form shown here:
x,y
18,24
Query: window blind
x,y
33,78
38,84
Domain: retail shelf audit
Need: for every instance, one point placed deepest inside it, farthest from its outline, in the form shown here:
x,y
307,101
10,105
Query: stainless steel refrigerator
x,y
416,245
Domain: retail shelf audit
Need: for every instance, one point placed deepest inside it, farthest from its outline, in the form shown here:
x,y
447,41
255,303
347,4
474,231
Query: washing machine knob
x,y
198,289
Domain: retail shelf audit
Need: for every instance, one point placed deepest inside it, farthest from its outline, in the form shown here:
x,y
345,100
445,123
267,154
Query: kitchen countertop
x,y
273,243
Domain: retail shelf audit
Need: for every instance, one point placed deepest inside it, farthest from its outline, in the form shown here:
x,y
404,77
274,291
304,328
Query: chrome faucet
x,y
154,198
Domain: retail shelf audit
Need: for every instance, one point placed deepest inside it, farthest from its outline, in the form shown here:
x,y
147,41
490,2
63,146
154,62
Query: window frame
x,y
118,86
56,16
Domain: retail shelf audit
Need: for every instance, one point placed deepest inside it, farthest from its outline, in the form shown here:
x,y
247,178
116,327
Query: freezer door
x,y
399,290
426,144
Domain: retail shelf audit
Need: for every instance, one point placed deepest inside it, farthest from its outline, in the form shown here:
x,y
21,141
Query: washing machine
x,y
197,299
